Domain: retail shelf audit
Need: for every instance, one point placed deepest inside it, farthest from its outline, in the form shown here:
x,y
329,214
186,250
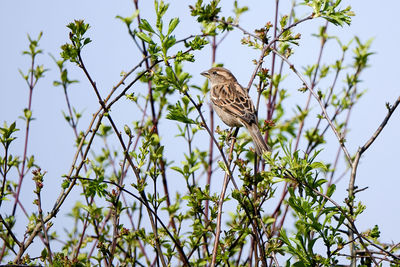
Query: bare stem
x,y
28,121
325,113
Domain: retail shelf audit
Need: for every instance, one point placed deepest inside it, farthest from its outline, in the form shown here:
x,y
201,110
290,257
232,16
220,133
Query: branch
x,y
65,192
145,203
9,230
391,109
220,204
338,135
351,225
362,149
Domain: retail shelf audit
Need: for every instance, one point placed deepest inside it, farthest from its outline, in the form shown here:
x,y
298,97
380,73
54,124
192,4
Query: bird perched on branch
x,y
233,104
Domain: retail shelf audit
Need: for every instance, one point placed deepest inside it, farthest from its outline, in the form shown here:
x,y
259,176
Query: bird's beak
x,y
205,73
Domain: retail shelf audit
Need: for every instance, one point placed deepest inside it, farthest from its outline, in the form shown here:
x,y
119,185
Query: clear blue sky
x,y
112,51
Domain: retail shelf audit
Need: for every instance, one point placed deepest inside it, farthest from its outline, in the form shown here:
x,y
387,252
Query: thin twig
x,y
338,136
351,225
45,229
31,85
142,201
220,204
357,158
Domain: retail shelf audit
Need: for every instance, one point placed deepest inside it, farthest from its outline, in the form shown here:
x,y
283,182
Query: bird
x,y
233,104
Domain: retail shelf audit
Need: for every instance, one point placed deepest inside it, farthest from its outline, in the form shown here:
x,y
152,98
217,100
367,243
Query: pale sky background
x,y
112,51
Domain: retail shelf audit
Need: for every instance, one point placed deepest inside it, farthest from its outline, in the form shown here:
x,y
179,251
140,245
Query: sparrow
x,y
233,105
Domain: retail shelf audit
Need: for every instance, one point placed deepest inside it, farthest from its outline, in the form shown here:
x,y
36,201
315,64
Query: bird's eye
x,y
214,72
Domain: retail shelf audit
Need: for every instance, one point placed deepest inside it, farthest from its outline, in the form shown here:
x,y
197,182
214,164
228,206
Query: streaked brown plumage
x,y
233,104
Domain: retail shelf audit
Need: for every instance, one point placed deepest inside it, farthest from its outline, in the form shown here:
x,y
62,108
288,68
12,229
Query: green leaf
x,y
86,41
223,166
299,264
65,184
375,233
145,25
31,162
28,114
239,10
128,20
172,25
6,133
181,56
205,13
127,130
159,151
168,43
197,43
176,168
269,220
195,168
44,253
319,165
283,22
177,113
331,190
25,77
69,52
144,37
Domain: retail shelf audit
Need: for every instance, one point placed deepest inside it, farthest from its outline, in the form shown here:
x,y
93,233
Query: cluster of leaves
x,y
132,211
71,51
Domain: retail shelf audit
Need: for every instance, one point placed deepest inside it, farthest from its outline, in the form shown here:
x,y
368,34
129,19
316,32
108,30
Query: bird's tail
x,y
258,139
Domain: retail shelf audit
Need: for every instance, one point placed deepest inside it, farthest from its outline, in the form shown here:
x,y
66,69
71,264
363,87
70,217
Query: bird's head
x,y
218,75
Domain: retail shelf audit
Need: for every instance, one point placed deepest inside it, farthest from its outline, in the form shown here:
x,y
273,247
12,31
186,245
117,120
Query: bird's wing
x,y
234,99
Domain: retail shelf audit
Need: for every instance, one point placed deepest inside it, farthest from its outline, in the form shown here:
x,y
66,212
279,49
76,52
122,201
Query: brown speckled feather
x,y
234,100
